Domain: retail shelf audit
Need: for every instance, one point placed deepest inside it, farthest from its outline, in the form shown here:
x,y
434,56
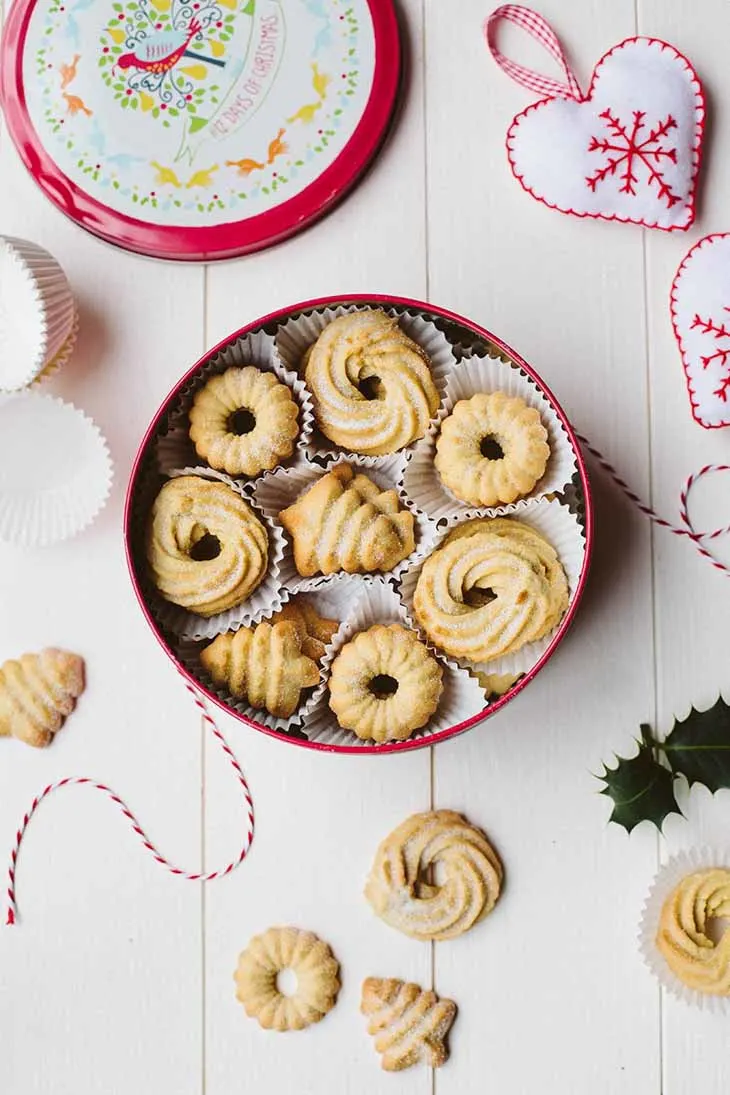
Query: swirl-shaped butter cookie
x,y
490,588
206,548
683,938
371,385
469,887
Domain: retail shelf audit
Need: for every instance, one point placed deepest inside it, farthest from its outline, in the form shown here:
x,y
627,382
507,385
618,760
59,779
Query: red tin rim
x,y
485,713
222,241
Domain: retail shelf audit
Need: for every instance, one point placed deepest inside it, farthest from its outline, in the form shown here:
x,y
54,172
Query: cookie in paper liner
x,y
671,875
461,697
278,491
295,337
174,448
485,374
556,524
265,598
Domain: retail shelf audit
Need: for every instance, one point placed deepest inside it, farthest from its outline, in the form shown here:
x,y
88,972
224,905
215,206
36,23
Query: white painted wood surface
x,y
119,979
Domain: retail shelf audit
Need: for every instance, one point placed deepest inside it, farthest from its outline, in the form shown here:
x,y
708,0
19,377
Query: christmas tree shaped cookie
x,y
408,1023
345,522
37,692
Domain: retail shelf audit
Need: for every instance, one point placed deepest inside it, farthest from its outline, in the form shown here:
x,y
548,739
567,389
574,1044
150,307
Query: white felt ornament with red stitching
x,y
700,302
628,150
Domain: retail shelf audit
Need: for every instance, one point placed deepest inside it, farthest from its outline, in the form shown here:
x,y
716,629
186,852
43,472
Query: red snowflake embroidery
x,y
721,357
628,150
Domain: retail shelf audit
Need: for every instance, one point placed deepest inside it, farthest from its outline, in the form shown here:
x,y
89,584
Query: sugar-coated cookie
x,y
206,548
344,522
409,1024
308,957
470,878
371,385
491,587
263,664
37,692
384,684
314,631
244,421
492,449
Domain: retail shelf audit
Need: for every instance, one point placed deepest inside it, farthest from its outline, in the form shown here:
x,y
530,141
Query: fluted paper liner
x,y
38,315
294,338
420,479
174,449
56,363
265,599
277,490
669,876
461,699
333,602
561,529
55,470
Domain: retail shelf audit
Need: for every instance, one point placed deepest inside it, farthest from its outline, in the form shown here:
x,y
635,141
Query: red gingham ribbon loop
x,y
686,528
543,33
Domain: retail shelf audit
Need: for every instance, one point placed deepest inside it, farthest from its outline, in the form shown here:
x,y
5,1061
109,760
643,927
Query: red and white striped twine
x,y
686,528
146,842
539,29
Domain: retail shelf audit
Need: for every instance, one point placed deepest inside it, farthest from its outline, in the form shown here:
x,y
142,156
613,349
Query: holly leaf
x,y
698,747
641,788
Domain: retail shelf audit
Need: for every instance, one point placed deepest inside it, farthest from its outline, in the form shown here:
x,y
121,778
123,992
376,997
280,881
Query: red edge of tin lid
x,y
486,712
224,241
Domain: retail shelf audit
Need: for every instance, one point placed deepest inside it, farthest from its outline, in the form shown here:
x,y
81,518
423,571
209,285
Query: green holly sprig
x,y
642,788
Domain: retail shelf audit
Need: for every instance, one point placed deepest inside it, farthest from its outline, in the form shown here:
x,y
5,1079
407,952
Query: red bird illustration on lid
x,y
161,51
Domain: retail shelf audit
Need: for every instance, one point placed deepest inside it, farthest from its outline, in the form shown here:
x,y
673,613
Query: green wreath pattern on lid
x,y
196,73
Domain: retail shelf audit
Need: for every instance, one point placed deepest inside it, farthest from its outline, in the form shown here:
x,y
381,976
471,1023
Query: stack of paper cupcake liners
x,y
42,501
40,315
359,601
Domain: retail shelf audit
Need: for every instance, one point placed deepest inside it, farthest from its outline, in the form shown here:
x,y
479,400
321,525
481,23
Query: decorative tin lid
x,y
198,130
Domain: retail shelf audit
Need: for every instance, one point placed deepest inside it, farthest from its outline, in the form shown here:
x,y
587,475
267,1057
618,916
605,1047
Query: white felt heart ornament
x,y
700,303
629,150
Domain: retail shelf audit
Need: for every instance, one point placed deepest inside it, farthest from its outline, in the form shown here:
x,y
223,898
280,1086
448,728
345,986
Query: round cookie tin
x,y
465,339
198,129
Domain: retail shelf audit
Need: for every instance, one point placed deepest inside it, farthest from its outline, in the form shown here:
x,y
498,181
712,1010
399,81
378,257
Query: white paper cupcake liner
x,y
264,600
461,698
279,489
294,338
333,602
174,449
57,363
561,529
37,313
421,481
669,876
55,470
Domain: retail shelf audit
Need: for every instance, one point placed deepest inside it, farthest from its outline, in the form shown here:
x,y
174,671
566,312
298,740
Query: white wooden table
x,y
119,979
